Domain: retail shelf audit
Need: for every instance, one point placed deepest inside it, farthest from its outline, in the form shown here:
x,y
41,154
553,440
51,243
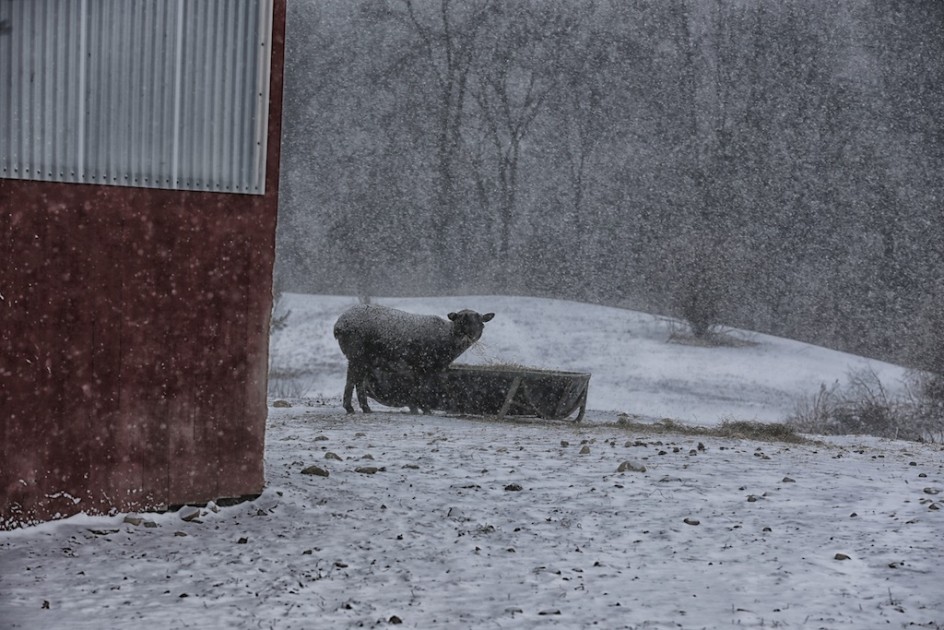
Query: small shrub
x,y
282,383
717,336
699,301
280,314
863,406
285,383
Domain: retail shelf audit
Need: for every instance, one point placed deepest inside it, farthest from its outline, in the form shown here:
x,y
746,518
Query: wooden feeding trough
x,y
486,390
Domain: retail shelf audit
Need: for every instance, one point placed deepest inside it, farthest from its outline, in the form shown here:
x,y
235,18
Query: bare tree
x,y
518,70
447,39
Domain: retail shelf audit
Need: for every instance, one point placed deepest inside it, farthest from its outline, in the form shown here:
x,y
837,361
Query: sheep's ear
x,y
488,317
452,316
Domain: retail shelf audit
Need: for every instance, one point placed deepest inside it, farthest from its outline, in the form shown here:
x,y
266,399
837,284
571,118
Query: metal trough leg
x,y
583,406
509,397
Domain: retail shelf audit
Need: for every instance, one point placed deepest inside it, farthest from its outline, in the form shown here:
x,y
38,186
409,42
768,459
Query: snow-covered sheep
x,y
378,337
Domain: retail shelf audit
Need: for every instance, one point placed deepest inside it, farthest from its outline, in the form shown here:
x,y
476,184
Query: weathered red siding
x,y
134,341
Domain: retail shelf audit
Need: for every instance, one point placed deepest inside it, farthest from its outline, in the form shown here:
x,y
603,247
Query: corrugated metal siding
x,y
152,93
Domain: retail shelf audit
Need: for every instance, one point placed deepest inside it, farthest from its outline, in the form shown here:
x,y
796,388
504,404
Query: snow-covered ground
x,y
634,369
449,522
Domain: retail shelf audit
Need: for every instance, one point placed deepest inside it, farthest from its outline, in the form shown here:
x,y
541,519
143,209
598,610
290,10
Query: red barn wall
x,y
134,341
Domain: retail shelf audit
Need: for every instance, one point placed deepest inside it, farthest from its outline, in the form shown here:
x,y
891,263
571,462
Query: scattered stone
x,y
367,456
932,490
456,514
242,541
360,434
663,453
367,470
180,534
693,452
394,620
320,438
411,466
788,480
315,470
767,530
513,487
585,450
751,498
283,404
103,532
701,446
631,467
341,565
565,443
334,456
151,524
922,475
692,521
189,513
841,556
934,506
549,612
853,515
133,520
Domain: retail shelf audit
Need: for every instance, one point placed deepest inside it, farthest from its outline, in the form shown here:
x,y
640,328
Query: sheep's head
x,y
469,324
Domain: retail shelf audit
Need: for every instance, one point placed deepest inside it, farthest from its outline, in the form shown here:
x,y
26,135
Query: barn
x,y
139,170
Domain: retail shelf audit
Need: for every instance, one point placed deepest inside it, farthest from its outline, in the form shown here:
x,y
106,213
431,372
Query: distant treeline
x,y
777,166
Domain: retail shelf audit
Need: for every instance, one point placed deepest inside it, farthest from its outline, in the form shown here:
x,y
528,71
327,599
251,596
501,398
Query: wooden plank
x,y
25,384
509,397
190,350
71,445
106,304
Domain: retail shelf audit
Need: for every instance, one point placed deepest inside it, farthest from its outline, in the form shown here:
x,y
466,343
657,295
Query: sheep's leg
x,y
422,385
356,375
349,389
361,396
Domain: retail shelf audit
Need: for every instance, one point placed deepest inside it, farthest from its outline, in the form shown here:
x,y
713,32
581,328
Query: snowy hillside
x,y
634,368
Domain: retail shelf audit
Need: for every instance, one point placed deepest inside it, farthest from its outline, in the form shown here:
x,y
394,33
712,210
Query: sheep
x,y
375,337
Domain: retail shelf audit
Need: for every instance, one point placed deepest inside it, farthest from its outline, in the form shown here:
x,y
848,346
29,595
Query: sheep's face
x,y
469,324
